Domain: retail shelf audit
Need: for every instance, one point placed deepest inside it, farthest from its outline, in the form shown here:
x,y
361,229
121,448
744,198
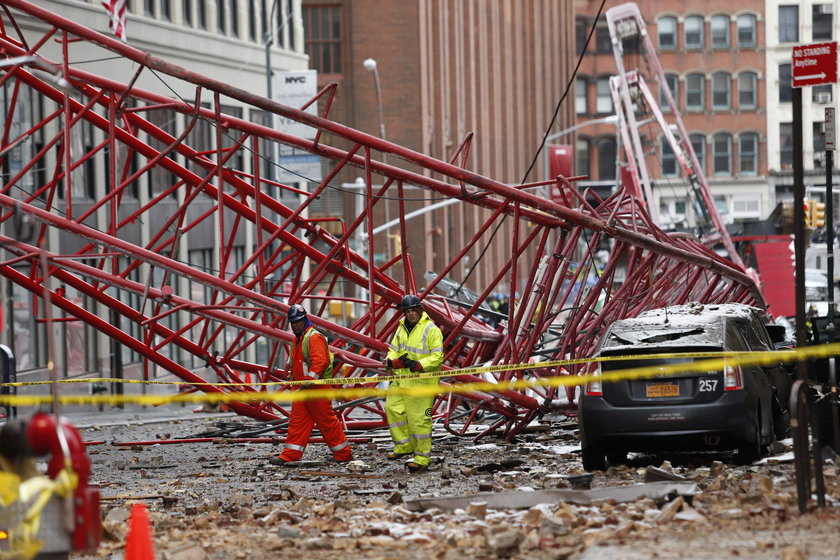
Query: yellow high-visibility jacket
x,y
423,343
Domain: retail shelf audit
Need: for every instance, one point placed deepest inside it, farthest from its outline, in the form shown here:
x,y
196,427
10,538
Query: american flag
x,y
116,9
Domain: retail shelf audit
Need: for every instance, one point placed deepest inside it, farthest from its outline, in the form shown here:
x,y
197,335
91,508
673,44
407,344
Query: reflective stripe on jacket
x,y
312,358
423,343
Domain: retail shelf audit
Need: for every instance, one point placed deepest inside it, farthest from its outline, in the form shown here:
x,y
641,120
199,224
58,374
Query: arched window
x,y
747,90
603,97
606,158
668,159
581,33
582,156
694,99
672,81
666,27
748,153
722,154
720,32
746,30
721,84
698,143
693,32
581,95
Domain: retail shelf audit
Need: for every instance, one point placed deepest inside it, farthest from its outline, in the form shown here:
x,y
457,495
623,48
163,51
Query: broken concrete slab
x,y
526,499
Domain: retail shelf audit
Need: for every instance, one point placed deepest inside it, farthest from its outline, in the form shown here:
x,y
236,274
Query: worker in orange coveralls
x,y
311,359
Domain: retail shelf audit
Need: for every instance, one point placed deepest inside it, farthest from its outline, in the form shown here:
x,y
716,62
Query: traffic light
x,y
817,214
807,208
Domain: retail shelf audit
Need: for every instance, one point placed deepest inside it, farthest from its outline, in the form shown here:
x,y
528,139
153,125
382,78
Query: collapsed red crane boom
x,y
120,259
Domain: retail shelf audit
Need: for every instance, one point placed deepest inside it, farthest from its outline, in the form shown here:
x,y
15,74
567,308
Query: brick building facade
x,y
447,69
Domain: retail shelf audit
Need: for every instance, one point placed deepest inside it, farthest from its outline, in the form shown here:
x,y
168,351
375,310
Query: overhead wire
x,y
541,146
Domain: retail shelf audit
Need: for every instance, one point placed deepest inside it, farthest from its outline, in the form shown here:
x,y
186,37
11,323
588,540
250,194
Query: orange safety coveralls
x,y
316,412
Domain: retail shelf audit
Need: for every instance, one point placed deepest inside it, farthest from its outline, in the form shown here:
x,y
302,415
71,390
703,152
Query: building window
x,y
252,20
667,29
698,144
606,159
748,151
694,92
821,94
720,32
821,18
672,212
789,23
581,33
785,89
721,83
693,32
201,5
323,31
165,10
234,18
603,98
187,12
149,8
722,154
581,105
582,157
786,144
746,30
671,82
220,17
747,90
669,159
603,43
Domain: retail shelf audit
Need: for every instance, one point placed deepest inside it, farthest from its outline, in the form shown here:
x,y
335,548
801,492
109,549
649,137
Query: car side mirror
x,y
777,332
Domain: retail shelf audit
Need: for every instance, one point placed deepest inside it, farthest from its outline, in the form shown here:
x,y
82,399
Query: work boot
x,y
280,462
415,467
393,455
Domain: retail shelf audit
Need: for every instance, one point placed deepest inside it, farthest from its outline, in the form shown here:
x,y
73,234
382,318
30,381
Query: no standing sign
x,y
814,64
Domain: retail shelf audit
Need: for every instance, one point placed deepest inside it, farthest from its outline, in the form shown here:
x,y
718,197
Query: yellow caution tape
x,y
393,377
717,363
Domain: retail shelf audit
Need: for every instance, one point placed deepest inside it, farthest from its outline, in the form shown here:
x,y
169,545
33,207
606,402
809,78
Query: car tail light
x,y
732,378
593,388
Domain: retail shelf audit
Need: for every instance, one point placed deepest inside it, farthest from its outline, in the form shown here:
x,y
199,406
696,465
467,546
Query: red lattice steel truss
x,y
233,317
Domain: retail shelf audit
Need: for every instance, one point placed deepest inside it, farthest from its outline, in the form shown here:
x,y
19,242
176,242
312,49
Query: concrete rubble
x,y
227,502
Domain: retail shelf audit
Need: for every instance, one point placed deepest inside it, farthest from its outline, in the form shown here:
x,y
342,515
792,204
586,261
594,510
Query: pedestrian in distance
x,y
417,346
310,359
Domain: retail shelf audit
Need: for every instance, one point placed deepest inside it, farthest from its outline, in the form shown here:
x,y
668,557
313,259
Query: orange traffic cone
x,y
138,541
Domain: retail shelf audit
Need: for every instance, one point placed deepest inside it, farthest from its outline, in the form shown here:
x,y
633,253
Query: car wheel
x,y
749,451
593,458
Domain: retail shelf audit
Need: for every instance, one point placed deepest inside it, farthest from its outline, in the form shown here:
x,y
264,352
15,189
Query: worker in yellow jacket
x,y
417,346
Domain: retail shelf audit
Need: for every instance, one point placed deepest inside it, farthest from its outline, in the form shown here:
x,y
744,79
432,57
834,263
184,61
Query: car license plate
x,y
662,390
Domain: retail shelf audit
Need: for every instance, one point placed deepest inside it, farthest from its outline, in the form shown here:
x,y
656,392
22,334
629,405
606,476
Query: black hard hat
x,y
409,301
296,313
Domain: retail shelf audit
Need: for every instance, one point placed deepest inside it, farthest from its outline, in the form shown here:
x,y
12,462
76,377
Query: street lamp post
x,y
370,66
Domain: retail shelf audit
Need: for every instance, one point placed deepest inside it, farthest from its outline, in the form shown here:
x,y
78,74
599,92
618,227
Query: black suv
x,y
739,408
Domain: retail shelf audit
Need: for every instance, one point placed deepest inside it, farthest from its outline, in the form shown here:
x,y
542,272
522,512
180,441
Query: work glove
x,y
393,364
408,362
416,366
